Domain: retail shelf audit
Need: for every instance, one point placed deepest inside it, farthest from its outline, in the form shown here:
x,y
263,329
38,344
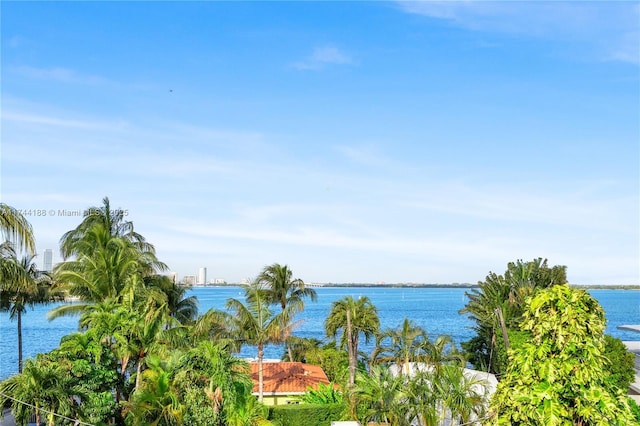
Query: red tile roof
x,y
287,377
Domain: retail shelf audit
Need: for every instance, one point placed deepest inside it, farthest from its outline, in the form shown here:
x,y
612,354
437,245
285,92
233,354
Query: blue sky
x,y
359,141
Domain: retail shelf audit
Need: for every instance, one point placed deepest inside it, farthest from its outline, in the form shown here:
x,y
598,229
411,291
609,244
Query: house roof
x,y
287,377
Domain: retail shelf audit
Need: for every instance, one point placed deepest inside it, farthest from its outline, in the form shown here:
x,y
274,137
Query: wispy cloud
x,y
611,30
30,118
61,74
323,56
367,155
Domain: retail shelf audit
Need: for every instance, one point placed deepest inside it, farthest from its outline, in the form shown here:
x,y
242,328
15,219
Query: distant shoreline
x,y
425,285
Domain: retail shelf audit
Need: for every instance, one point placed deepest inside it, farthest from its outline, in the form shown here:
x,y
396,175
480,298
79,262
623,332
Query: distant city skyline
x,y
356,141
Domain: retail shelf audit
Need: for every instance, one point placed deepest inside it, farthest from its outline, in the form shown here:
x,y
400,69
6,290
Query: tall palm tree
x,y
113,221
255,323
103,267
16,228
108,254
284,290
353,318
23,285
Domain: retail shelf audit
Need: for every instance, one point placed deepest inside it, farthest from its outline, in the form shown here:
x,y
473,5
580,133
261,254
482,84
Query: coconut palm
x,y
104,267
108,255
353,318
113,221
284,290
23,285
254,323
184,309
16,228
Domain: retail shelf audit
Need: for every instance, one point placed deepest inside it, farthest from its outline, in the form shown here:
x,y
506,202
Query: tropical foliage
x,y
352,318
144,356
558,378
285,291
255,324
22,286
503,296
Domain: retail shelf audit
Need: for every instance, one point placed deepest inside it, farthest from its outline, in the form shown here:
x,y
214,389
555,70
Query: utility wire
x,y
75,421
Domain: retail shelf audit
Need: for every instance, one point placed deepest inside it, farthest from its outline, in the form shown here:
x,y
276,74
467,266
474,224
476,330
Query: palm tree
x,y
107,218
255,324
352,317
212,370
505,293
23,285
461,395
104,267
43,385
423,397
284,290
381,394
16,228
408,343
108,255
184,309
156,401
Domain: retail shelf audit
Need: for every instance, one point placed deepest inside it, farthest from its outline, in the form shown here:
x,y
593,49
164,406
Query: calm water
x,y
434,309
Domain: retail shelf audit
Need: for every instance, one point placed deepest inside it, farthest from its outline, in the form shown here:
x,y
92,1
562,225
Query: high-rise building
x,y
202,276
47,260
189,280
173,276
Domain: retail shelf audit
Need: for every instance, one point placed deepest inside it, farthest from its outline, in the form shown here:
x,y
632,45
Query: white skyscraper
x,y
47,260
202,276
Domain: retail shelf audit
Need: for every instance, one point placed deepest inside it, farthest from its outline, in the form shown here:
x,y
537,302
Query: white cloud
x,y
322,56
609,30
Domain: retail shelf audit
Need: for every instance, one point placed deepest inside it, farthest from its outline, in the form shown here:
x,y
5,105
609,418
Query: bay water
x,y
434,309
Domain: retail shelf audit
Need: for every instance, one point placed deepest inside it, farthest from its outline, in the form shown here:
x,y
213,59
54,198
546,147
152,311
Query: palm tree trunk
x,y
260,373
352,358
19,342
289,351
139,370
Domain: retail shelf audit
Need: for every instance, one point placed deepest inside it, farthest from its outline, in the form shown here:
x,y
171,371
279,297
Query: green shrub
x,y
516,339
635,409
306,414
621,363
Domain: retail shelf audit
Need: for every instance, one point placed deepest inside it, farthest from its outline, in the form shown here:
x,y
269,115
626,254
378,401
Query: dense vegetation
x,y
145,355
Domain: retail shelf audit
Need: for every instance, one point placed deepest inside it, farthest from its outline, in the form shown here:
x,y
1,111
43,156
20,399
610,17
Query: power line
x,y
75,421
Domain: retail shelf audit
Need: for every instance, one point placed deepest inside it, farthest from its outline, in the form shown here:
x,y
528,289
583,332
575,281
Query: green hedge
x,y
306,414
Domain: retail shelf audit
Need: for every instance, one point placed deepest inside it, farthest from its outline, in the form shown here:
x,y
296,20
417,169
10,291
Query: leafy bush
x,y
621,363
324,394
306,414
635,409
516,339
